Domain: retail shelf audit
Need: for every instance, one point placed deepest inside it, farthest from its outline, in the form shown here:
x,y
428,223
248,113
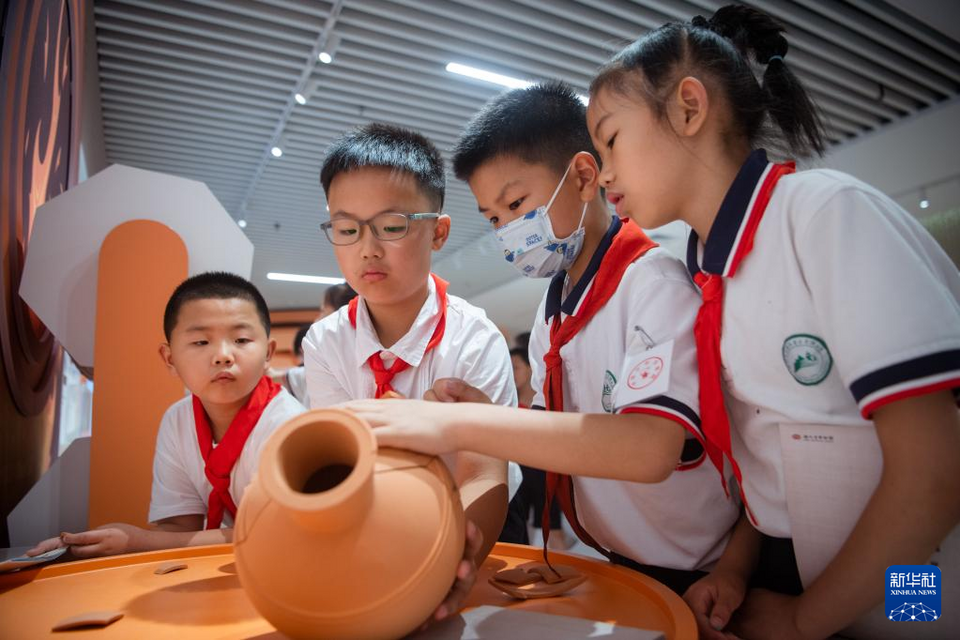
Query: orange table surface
x,y
205,600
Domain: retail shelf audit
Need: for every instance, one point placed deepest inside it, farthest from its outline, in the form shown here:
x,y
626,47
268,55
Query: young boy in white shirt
x,y
385,188
217,327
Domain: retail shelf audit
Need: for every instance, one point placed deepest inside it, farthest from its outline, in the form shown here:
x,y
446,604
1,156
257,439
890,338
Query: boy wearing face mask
x,y
612,351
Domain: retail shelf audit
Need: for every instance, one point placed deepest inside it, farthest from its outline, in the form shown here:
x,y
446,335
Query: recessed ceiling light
x,y
487,76
296,277
300,98
242,223
277,152
496,78
329,49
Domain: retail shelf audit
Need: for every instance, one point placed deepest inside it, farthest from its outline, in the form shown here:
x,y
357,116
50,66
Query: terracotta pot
x,y
335,539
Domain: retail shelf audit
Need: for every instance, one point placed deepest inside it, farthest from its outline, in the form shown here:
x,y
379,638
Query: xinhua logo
x,y
913,593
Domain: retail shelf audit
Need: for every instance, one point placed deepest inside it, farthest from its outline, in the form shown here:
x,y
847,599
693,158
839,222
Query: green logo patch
x,y
807,358
609,382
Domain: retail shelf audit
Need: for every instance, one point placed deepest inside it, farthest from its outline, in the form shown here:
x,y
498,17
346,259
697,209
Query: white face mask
x,y
530,245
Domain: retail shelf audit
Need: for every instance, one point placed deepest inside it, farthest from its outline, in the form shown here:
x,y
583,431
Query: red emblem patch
x,y
645,373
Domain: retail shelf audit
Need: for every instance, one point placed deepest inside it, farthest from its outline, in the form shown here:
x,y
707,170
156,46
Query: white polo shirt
x,y
472,349
180,486
844,304
297,382
684,521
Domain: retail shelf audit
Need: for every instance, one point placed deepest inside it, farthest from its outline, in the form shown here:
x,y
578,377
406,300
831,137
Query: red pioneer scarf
x,y
220,460
708,328
381,374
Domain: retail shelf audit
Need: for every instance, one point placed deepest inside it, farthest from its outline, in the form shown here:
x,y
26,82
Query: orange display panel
x,y
141,263
205,600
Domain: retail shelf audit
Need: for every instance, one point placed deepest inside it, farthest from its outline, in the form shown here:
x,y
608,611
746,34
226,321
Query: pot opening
x,y
318,457
326,478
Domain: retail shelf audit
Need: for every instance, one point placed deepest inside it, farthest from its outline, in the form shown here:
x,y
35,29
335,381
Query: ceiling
x,y
205,88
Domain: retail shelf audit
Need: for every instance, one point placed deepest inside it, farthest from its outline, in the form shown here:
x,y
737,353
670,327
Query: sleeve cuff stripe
x,y
909,389
915,372
670,414
673,405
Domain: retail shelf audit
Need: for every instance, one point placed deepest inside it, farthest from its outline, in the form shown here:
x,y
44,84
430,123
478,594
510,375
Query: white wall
x,y
512,306
919,153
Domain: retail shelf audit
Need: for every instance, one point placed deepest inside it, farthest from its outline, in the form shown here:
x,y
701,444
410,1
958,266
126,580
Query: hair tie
x,y
772,58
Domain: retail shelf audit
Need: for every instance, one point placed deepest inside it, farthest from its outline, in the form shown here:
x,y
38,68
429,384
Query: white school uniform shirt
x,y
844,304
472,349
297,381
684,521
180,486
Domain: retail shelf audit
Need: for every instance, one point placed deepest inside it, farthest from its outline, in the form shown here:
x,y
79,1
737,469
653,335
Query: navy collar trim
x,y
726,228
555,291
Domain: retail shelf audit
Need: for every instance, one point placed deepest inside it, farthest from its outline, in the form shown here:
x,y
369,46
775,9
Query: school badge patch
x,y
807,358
609,382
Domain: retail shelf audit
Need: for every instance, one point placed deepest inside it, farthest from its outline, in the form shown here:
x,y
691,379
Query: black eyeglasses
x,y
385,226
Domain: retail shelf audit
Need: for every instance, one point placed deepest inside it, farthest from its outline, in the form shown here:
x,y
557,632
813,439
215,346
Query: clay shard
x,y
552,574
516,576
561,580
88,619
170,567
539,589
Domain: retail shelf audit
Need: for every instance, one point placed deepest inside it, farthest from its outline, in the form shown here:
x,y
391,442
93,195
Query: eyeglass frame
x,y
326,226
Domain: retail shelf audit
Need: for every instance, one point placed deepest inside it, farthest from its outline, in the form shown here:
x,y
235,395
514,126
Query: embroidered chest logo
x,y
609,382
807,358
645,373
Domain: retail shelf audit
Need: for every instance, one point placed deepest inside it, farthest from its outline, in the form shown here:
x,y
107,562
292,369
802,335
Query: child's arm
x,y
118,538
913,508
482,482
634,447
716,596
482,479
483,494
192,522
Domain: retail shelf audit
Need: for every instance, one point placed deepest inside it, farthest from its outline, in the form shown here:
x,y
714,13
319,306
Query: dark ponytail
x,y
718,50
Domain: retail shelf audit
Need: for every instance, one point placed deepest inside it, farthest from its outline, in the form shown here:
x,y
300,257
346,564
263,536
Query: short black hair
x,y
390,147
338,295
213,284
542,124
522,341
522,353
298,339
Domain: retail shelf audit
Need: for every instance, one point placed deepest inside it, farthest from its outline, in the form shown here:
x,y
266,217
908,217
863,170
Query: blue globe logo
x,y
913,612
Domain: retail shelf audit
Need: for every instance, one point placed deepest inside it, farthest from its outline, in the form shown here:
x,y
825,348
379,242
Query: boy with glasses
x,y
385,187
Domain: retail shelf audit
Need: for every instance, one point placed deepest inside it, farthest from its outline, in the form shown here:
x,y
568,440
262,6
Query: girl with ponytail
x,y
828,340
